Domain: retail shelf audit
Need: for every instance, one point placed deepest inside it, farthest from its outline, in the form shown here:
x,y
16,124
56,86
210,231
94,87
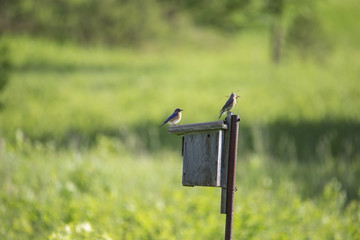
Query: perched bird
x,y
229,104
174,118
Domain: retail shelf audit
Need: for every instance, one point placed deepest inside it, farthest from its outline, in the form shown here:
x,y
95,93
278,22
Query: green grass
x,y
51,194
72,88
69,95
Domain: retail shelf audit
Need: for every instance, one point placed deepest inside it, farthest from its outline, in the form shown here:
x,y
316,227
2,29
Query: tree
x,y
4,64
275,8
297,25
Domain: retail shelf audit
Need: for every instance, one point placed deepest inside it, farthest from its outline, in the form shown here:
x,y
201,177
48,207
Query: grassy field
x,y
82,156
69,95
105,193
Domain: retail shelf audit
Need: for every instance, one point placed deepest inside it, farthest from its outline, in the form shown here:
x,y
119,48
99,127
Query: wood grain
x,y
197,127
202,158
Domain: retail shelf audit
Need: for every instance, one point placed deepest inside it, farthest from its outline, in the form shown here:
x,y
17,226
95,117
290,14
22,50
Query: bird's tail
x,y
162,124
222,112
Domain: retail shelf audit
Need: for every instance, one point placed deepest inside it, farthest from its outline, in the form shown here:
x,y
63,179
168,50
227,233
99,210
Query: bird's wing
x,y
228,102
169,118
172,116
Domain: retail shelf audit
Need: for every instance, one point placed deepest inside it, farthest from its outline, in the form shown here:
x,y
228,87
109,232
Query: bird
x,y
230,103
174,118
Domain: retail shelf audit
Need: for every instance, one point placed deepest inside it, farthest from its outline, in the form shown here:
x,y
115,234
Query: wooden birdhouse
x,y
203,145
205,152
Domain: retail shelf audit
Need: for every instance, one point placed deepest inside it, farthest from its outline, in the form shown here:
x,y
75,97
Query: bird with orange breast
x,y
174,118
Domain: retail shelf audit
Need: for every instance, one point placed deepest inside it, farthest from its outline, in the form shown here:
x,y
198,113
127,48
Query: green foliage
x,y
133,22
111,21
145,22
108,193
226,16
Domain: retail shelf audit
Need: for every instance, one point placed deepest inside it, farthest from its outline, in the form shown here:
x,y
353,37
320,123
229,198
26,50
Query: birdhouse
x,y
209,156
204,153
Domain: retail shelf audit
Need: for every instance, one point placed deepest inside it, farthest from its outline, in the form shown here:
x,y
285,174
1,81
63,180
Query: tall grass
x,y
105,193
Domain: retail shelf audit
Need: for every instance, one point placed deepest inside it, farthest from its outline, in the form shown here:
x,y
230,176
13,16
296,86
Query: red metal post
x,y
231,176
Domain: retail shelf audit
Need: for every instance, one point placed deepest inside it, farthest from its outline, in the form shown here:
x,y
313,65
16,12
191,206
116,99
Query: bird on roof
x,y
174,118
230,103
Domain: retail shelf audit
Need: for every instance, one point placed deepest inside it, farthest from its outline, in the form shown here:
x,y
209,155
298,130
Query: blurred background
x,y
85,85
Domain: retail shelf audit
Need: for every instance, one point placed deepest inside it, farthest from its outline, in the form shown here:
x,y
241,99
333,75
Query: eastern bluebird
x,y
229,104
174,118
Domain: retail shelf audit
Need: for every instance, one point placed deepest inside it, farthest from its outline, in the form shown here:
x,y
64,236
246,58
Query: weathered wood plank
x,y
202,158
197,127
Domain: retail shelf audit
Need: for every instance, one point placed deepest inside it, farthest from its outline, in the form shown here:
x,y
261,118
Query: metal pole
x,y
231,176
225,164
